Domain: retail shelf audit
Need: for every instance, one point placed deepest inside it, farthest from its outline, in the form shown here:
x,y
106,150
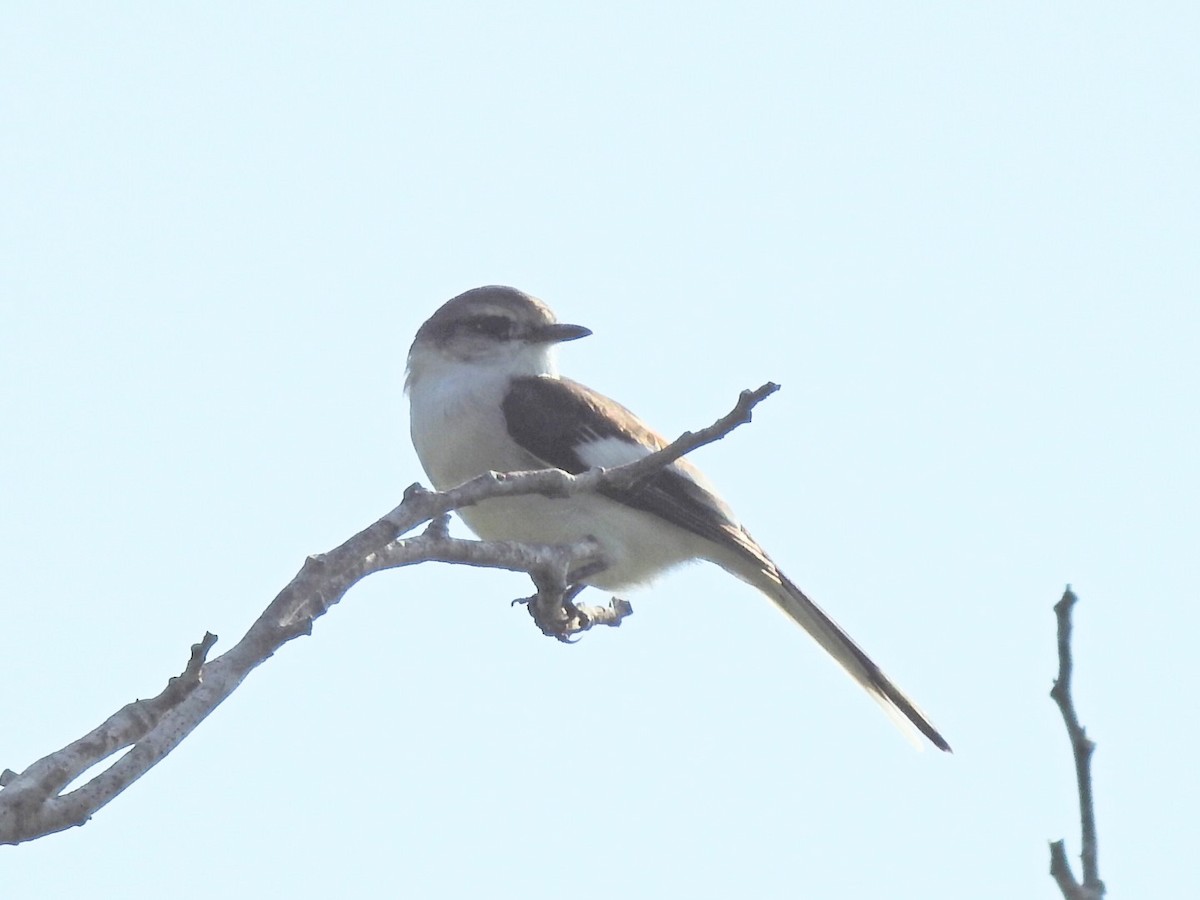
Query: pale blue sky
x,y
963,238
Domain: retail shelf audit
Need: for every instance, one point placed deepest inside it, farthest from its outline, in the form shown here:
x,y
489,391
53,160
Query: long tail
x,y
848,654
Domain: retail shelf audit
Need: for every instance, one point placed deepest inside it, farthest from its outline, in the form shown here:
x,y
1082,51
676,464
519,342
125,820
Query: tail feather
x,y
848,655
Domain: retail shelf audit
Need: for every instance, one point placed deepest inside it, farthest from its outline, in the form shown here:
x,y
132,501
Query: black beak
x,y
559,332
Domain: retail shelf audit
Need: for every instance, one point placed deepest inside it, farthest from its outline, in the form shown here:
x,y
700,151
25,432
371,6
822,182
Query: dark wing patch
x,y
551,417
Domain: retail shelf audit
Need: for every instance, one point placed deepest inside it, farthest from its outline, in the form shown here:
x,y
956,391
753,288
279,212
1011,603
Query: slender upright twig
x,y
1082,746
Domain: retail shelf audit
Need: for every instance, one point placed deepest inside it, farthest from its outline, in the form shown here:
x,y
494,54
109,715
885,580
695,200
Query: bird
x,y
485,395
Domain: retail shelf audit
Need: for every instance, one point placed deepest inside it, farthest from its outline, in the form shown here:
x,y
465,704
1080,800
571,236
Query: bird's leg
x,y
575,588
574,613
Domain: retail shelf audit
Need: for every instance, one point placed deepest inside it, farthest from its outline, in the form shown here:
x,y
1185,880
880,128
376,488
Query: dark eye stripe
x,y
493,326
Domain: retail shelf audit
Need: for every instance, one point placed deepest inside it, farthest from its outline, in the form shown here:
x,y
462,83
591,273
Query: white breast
x,y
458,427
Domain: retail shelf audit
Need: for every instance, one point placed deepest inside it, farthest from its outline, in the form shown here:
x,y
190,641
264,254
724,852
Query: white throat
x,y
455,412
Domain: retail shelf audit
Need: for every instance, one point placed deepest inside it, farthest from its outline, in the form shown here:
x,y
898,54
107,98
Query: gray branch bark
x,y
1092,888
33,803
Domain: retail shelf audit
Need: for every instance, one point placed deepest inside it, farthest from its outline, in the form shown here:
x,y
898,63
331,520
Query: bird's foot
x,y
563,620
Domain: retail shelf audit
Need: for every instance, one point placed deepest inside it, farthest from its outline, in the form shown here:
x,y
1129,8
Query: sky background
x,y
963,237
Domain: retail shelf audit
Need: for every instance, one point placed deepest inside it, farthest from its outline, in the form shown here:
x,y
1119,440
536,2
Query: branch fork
x,y
32,802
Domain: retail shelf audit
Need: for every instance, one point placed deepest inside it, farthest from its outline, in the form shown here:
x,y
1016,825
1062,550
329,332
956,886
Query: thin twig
x,y
1082,747
741,414
425,505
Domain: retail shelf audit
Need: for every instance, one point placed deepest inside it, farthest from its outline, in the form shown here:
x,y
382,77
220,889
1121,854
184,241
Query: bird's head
x,y
494,328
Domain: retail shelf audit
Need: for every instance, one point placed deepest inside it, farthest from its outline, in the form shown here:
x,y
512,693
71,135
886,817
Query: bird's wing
x,y
571,427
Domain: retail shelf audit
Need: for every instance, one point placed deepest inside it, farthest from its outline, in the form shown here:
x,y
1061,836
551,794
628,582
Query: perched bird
x,y
485,395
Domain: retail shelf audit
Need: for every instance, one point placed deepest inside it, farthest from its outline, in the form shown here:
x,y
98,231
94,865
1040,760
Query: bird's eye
x,y
492,326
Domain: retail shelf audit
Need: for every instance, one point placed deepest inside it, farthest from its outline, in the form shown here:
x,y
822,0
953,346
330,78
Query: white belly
x,y
636,545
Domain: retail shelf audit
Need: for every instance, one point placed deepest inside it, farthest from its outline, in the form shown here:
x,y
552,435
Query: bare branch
x,y
32,803
741,414
1082,747
32,796
422,505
